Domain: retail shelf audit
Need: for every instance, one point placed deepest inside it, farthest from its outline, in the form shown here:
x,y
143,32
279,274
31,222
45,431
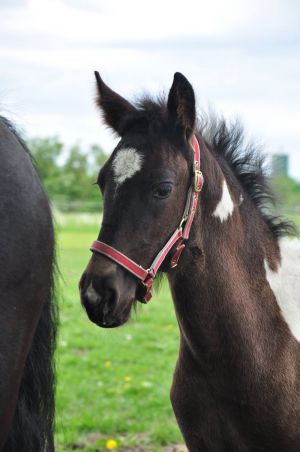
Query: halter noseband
x,y
181,235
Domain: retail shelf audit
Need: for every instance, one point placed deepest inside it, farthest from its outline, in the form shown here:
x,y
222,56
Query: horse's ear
x,y
182,106
113,106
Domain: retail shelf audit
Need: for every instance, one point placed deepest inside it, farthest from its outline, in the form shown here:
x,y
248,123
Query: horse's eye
x,y
163,190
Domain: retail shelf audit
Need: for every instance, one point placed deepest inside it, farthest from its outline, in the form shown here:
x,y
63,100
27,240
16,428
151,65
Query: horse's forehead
x,y
127,162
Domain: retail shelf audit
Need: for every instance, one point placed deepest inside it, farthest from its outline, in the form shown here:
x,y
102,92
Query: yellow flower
x,y
127,378
111,444
107,363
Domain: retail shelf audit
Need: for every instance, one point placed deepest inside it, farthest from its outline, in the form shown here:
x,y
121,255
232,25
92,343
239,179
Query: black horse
x,y
28,316
236,288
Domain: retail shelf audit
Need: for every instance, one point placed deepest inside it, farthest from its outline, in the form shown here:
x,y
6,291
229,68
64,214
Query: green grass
x,y
112,384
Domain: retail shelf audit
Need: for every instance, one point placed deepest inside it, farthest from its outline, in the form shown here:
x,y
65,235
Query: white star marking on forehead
x,y
126,164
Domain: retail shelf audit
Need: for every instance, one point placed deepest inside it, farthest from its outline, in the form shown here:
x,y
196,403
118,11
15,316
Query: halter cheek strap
x,y
180,235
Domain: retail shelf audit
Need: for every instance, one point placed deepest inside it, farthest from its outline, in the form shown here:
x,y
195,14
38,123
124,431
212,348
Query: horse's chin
x,y
111,319
110,325
114,323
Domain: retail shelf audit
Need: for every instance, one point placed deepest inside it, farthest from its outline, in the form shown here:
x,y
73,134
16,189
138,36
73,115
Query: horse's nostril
x,y
102,294
108,300
112,298
100,307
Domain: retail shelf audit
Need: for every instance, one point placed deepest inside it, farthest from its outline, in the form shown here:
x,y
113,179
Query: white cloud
x,y
116,20
242,57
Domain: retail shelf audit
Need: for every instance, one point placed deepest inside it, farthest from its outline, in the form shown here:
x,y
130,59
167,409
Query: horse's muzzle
x,y
107,293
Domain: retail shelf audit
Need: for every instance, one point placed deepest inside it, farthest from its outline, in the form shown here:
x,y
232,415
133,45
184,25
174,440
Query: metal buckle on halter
x,y
198,181
147,285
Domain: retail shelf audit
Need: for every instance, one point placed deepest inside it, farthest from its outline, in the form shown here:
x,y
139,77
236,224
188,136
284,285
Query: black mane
x,y
227,141
150,113
248,164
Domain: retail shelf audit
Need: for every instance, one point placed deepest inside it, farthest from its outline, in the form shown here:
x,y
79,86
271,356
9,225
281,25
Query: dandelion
x,y
127,378
107,363
111,444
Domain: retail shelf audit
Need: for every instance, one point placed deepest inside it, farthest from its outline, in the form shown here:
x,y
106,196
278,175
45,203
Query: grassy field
x,y
113,385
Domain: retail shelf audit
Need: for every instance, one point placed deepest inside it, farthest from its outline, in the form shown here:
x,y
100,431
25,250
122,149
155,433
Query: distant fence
x,y
77,206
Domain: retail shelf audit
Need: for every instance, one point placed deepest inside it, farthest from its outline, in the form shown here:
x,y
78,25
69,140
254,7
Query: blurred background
x,y
243,59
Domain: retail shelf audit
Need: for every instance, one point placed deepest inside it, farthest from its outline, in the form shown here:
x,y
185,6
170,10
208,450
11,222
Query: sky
x,y
241,56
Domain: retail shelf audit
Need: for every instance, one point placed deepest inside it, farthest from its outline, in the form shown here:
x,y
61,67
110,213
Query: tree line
x,y
69,176
287,191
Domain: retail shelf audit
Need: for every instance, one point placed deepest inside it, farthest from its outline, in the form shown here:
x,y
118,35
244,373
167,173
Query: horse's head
x,y
144,185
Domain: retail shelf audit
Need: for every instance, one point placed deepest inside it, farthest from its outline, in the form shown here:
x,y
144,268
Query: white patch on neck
x,y
126,164
225,206
285,283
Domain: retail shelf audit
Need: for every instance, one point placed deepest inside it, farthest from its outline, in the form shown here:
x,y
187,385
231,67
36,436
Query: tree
x,y
287,190
98,156
46,153
69,176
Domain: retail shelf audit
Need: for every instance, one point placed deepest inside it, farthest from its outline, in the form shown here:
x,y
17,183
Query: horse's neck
x,y
224,303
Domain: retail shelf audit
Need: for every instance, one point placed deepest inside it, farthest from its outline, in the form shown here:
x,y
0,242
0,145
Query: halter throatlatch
x,y
180,236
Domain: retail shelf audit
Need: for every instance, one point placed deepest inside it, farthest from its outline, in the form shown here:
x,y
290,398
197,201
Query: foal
x,y
236,385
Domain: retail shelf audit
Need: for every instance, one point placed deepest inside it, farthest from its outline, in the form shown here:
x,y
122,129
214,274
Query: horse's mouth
x,y
105,323
104,317
108,325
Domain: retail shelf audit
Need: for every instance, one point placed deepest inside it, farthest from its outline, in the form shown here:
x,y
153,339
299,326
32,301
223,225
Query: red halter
x,y
180,235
